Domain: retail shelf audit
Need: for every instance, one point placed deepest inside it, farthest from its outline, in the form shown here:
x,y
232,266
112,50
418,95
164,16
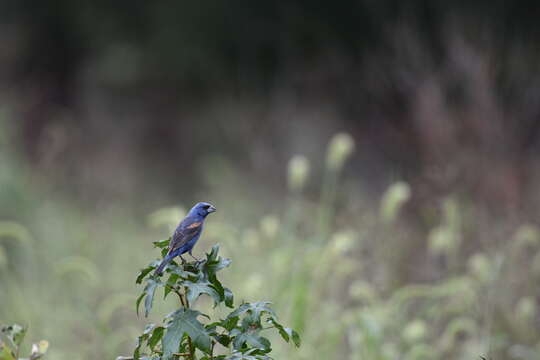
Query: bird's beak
x,y
211,209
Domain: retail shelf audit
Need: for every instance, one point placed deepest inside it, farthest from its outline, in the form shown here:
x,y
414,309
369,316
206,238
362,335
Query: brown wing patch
x,y
194,225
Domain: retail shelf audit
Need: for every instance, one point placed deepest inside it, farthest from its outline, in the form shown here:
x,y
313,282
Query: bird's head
x,y
202,209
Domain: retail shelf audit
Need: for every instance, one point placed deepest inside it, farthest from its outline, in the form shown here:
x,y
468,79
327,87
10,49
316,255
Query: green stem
x,y
185,303
326,206
191,349
181,298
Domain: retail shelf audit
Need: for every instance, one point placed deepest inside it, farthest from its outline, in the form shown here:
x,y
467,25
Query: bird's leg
x,y
190,254
183,260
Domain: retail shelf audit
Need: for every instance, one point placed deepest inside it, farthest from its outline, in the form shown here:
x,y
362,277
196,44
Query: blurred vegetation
x,y
410,234
68,273
11,338
442,95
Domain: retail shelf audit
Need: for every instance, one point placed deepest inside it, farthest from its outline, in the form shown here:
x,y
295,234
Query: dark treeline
x,y
432,91
198,45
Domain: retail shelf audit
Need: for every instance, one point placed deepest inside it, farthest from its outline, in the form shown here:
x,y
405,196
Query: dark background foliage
x,y
141,76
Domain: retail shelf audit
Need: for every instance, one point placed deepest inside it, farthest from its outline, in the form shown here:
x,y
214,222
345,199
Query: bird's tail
x,y
164,263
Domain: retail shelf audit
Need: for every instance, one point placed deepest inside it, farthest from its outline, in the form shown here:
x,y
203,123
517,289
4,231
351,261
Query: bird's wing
x,y
186,231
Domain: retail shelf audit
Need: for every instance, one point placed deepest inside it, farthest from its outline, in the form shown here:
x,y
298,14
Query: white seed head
x,y
393,200
298,172
414,331
480,266
526,308
340,148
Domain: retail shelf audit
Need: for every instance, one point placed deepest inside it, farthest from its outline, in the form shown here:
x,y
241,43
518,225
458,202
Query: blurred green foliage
x,y
11,338
349,274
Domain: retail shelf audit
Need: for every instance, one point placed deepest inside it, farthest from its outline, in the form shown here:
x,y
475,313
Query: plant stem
x,y
326,208
182,354
212,350
185,303
181,298
191,349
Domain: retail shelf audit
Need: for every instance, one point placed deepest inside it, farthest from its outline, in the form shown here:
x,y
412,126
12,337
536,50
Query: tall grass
x,y
337,272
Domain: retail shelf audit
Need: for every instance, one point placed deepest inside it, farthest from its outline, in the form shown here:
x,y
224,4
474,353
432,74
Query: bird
x,y
186,234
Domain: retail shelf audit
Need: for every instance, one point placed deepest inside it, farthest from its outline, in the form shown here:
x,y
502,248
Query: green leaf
x,y
162,244
229,323
228,298
295,337
198,288
170,283
179,270
247,355
184,321
18,332
223,339
212,326
212,256
13,334
225,294
251,338
5,352
141,339
286,333
149,290
138,302
213,262
256,309
250,321
157,334
143,273
213,267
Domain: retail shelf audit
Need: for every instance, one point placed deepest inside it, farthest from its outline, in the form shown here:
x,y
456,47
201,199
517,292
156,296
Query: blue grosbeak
x,y
187,233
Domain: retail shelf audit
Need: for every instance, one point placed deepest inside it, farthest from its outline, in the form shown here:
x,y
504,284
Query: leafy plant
x,y
186,332
11,338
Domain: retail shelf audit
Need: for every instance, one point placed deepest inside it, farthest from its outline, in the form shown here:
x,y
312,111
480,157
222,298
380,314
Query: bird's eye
x,y
206,207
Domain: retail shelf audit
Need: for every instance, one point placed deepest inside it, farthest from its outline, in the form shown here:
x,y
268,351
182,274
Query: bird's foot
x,y
194,258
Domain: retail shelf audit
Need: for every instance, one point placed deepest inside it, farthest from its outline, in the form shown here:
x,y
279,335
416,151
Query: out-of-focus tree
x,y
444,93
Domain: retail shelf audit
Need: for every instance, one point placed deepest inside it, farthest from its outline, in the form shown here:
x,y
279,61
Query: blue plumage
x,y
187,233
